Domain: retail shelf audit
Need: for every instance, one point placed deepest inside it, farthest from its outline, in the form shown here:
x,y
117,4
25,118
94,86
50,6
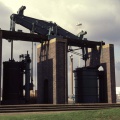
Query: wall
x,y
52,67
105,57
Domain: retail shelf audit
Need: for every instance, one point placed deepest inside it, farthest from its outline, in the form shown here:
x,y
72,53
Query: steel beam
x,y
40,38
12,35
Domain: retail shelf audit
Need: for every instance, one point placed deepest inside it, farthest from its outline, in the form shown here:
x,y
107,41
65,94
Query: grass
x,y
106,114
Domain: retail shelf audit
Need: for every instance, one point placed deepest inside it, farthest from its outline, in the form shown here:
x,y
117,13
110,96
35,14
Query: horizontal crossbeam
x,y
13,35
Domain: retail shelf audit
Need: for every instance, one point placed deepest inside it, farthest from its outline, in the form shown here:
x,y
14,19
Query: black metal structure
x,y
86,85
43,31
90,85
25,59
14,73
48,30
12,82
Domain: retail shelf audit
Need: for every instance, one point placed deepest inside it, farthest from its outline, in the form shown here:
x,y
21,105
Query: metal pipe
x,y
11,49
35,71
32,64
32,32
12,28
71,60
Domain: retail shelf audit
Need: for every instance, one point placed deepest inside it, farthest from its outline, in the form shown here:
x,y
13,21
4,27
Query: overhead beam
x,y
13,35
85,43
39,38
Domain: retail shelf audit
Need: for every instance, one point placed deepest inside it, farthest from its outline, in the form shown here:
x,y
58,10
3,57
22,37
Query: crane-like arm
x,y
50,30
42,27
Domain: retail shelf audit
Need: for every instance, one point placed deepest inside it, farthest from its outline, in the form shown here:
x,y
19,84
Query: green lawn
x,y
106,114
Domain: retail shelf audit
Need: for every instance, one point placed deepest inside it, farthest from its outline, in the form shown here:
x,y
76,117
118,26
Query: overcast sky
x,y
100,18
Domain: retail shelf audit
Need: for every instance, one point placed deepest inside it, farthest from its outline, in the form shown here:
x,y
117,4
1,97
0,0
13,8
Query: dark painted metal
x,y
86,85
12,81
40,38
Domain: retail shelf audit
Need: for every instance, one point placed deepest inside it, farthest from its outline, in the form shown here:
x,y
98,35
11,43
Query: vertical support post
x,y
11,49
35,70
32,32
32,65
66,75
0,61
12,28
71,60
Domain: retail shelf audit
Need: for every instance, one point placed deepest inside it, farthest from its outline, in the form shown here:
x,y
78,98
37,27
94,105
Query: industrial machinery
x,y
46,31
14,75
12,82
90,85
86,85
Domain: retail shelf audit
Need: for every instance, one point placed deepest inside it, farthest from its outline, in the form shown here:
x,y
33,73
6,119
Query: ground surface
x,y
106,114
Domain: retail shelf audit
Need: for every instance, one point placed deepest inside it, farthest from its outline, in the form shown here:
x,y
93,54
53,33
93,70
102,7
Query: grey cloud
x,y
101,19
5,13
117,66
102,23
117,79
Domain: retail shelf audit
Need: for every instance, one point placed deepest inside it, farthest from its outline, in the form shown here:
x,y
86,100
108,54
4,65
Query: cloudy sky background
x,y
100,18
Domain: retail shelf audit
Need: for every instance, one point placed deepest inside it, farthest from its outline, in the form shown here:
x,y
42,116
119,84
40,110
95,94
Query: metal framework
x,y
44,31
39,38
